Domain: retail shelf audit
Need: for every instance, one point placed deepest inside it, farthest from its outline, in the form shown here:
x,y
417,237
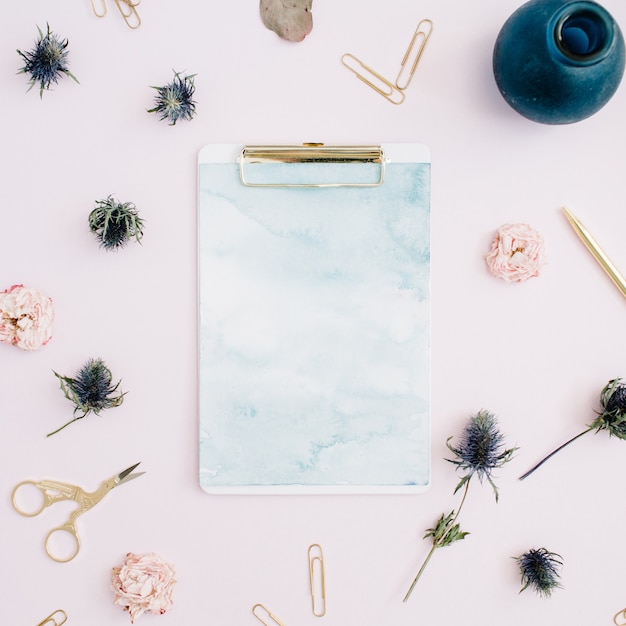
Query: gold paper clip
x,y
316,572
423,36
620,614
130,15
51,620
373,79
95,9
269,614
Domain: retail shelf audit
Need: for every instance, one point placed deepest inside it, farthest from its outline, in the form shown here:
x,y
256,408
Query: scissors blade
x,y
125,475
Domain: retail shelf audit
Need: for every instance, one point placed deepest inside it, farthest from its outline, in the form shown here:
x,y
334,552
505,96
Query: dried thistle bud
x,y
481,449
540,570
611,418
47,61
115,223
174,101
91,390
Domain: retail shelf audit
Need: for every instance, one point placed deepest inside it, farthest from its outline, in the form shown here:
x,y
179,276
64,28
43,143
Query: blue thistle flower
x,y
114,223
611,417
481,449
175,101
47,61
90,391
540,571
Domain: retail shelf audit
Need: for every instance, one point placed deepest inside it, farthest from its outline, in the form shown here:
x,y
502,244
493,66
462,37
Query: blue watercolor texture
x,y
314,332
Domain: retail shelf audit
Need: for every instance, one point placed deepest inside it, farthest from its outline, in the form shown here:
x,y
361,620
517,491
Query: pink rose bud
x,y
517,253
144,582
26,318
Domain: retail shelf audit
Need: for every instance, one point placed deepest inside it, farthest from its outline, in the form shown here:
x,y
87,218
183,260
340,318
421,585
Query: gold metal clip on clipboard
x,y
254,156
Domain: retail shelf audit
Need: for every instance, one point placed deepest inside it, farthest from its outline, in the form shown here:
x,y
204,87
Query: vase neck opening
x,y
584,33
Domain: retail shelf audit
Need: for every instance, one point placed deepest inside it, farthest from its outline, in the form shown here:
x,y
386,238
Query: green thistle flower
x,y
540,571
611,418
175,101
115,223
480,451
90,391
47,61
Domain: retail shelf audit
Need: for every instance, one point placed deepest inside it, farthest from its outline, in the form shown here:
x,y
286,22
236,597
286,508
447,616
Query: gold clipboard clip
x,y
311,153
53,619
621,616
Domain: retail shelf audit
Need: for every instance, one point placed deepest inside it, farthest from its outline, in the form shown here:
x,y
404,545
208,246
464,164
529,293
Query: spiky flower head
x,y
612,417
175,101
91,390
47,61
481,449
540,571
115,223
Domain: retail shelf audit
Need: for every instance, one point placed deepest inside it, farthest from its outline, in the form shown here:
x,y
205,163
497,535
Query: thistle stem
x,y
424,564
435,546
532,469
54,432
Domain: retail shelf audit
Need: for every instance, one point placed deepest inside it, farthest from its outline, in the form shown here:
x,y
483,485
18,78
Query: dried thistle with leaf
x,y
611,417
91,390
480,451
174,101
540,571
47,61
115,223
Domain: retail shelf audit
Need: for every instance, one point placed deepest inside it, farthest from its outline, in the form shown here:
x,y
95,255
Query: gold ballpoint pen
x,y
596,251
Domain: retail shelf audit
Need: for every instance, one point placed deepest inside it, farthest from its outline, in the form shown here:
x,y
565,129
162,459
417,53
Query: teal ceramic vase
x,y
558,61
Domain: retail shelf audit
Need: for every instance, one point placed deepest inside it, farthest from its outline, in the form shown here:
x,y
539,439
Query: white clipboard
x,y
314,319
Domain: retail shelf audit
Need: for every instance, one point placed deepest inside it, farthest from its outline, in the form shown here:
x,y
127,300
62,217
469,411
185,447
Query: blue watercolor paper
x,y
314,333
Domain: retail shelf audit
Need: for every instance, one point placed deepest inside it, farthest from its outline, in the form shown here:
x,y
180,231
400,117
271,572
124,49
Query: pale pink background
x,y
537,354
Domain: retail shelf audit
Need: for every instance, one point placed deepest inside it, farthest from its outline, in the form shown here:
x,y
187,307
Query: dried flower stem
x,y
538,465
438,542
54,432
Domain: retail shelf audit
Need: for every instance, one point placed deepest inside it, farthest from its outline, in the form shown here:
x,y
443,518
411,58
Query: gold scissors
x,y
52,491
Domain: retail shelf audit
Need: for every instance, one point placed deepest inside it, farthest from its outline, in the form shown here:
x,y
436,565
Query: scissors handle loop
x,y
18,507
49,492
68,551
